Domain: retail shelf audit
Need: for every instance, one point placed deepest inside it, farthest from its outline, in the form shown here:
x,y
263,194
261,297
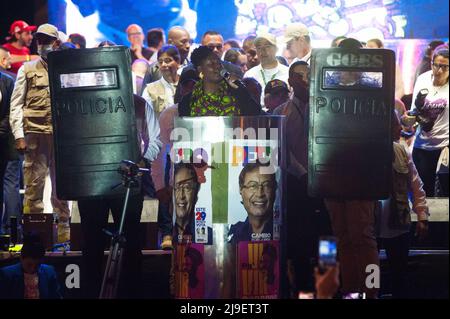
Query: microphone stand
x,y
130,172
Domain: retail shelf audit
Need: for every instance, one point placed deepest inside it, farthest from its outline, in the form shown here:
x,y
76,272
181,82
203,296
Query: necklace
x,y
438,88
264,76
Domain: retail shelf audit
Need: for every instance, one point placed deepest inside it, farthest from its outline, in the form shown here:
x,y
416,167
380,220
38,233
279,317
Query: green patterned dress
x,y
221,103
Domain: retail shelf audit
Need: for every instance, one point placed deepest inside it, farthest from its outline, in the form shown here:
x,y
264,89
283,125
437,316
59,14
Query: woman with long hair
x,y
430,111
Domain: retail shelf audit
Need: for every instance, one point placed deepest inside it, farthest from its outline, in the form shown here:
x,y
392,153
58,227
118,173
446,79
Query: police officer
x,y
94,218
31,123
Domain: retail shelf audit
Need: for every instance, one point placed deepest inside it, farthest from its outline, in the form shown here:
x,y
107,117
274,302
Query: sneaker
x,y
167,243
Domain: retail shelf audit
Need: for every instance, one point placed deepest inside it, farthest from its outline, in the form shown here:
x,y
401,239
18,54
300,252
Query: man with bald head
x,y
179,37
214,41
136,38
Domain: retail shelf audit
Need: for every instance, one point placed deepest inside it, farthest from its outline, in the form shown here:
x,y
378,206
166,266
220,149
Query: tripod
x,y
130,172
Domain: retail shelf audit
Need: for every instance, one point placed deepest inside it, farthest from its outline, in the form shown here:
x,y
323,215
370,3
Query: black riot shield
x,y
94,121
350,144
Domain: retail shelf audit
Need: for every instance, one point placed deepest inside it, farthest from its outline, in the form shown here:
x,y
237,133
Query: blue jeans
x,y
11,192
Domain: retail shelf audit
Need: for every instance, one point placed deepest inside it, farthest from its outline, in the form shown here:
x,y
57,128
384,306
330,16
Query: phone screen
x,y
355,295
327,252
305,295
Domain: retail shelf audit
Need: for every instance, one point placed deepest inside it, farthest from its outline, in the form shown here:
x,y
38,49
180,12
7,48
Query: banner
x,y
258,270
227,206
189,271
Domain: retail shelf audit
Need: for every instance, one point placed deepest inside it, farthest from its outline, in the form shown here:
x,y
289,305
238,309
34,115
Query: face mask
x,y
43,50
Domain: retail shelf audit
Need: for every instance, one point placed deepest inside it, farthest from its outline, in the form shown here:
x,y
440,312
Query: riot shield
x,y
350,144
94,122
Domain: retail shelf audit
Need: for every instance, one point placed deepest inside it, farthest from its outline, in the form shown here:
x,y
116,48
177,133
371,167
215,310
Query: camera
x,y
418,112
129,168
420,99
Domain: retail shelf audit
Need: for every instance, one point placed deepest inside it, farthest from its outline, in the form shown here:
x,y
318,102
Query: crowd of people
x,y
171,78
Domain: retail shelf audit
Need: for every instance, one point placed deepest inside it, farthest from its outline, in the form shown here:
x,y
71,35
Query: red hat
x,y
20,26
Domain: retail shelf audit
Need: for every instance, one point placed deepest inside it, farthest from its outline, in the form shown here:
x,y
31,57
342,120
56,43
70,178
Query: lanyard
x,y
264,77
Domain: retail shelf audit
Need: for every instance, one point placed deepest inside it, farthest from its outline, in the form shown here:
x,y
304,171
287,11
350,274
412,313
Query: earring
x,y
200,75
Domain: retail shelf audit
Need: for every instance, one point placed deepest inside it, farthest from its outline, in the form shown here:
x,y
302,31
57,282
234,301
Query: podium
x,y
229,211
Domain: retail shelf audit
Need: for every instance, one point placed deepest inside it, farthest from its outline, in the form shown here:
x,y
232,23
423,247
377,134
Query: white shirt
x,y
151,150
153,58
306,58
133,79
418,197
435,109
17,104
170,89
263,76
166,123
182,66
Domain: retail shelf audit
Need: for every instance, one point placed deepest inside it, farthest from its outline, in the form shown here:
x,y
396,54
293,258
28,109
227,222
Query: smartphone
x,y
306,295
327,252
355,295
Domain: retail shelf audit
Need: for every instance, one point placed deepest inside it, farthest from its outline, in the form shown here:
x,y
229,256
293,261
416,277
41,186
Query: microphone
x,y
227,77
225,74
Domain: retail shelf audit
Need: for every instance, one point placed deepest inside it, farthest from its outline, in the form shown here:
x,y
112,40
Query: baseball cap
x,y
295,30
20,26
265,36
48,29
275,86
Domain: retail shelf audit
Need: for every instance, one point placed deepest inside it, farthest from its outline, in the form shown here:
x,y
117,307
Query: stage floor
x,y
427,270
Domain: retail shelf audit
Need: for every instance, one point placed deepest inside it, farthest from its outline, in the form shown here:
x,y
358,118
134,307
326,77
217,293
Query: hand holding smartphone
x,y
327,253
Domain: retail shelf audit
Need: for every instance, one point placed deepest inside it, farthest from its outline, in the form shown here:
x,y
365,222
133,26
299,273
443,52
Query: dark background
x,y
426,19
33,12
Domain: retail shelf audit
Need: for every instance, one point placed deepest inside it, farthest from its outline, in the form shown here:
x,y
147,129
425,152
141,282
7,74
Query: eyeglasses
x,y
215,46
254,186
437,66
186,187
264,47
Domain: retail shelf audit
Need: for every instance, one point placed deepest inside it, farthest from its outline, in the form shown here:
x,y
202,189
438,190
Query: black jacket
x,y
6,137
6,89
13,75
247,105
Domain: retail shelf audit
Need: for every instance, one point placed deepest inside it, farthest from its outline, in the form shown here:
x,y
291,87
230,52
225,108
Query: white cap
x,y
48,29
266,36
295,30
62,36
